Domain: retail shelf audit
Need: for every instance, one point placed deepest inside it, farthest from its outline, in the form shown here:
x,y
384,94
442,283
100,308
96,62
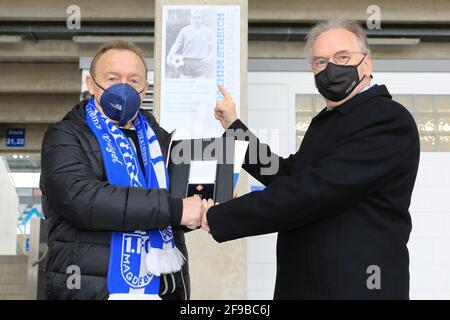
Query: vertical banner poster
x,y
200,50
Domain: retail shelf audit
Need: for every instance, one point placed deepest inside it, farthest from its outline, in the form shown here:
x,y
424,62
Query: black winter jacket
x,y
81,209
339,205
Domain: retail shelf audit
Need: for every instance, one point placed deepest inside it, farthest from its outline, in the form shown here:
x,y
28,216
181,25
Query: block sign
x,y
15,137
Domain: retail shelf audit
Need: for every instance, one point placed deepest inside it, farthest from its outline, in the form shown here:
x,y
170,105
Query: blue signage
x,y
15,137
257,188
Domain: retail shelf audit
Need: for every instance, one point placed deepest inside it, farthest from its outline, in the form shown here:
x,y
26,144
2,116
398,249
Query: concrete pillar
x,y
218,271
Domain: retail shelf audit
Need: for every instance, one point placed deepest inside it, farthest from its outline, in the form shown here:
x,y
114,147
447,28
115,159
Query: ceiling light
x,y
393,41
102,39
10,39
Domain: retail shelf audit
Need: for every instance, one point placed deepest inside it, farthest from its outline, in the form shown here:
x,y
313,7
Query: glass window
x,y
431,112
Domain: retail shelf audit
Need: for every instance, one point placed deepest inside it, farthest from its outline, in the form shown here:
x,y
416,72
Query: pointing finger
x,y
225,93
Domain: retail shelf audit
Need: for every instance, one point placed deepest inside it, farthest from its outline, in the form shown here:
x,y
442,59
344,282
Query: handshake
x,y
194,208
194,212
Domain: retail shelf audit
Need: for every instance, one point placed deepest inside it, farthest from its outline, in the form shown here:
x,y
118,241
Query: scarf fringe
x,y
164,261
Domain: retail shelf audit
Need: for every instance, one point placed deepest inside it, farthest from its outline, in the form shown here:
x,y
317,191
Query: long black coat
x,y
340,204
81,209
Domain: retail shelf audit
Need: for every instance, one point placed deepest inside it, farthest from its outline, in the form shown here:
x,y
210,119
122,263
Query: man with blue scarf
x,y
105,185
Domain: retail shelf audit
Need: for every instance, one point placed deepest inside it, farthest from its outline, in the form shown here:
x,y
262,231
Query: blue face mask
x,y
120,102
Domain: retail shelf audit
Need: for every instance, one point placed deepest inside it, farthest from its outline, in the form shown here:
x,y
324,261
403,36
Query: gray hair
x,y
324,26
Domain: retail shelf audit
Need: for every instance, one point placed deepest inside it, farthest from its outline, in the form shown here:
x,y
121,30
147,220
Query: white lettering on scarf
x,y
110,149
95,119
128,157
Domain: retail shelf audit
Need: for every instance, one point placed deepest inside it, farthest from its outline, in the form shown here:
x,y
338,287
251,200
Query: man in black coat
x,y
340,204
82,208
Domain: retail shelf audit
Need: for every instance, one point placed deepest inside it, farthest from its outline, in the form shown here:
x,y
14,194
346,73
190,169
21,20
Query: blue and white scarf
x,y
138,258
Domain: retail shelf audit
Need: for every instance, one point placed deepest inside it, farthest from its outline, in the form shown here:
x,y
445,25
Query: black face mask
x,y
337,82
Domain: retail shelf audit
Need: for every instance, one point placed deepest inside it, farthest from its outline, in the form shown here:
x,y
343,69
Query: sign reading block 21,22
x,y
15,137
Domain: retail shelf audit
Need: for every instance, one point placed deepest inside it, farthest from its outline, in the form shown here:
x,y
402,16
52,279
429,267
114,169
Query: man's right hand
x,y
192,212
225,110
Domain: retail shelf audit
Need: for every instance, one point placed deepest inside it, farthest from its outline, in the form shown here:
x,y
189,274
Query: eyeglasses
x,y
341,58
